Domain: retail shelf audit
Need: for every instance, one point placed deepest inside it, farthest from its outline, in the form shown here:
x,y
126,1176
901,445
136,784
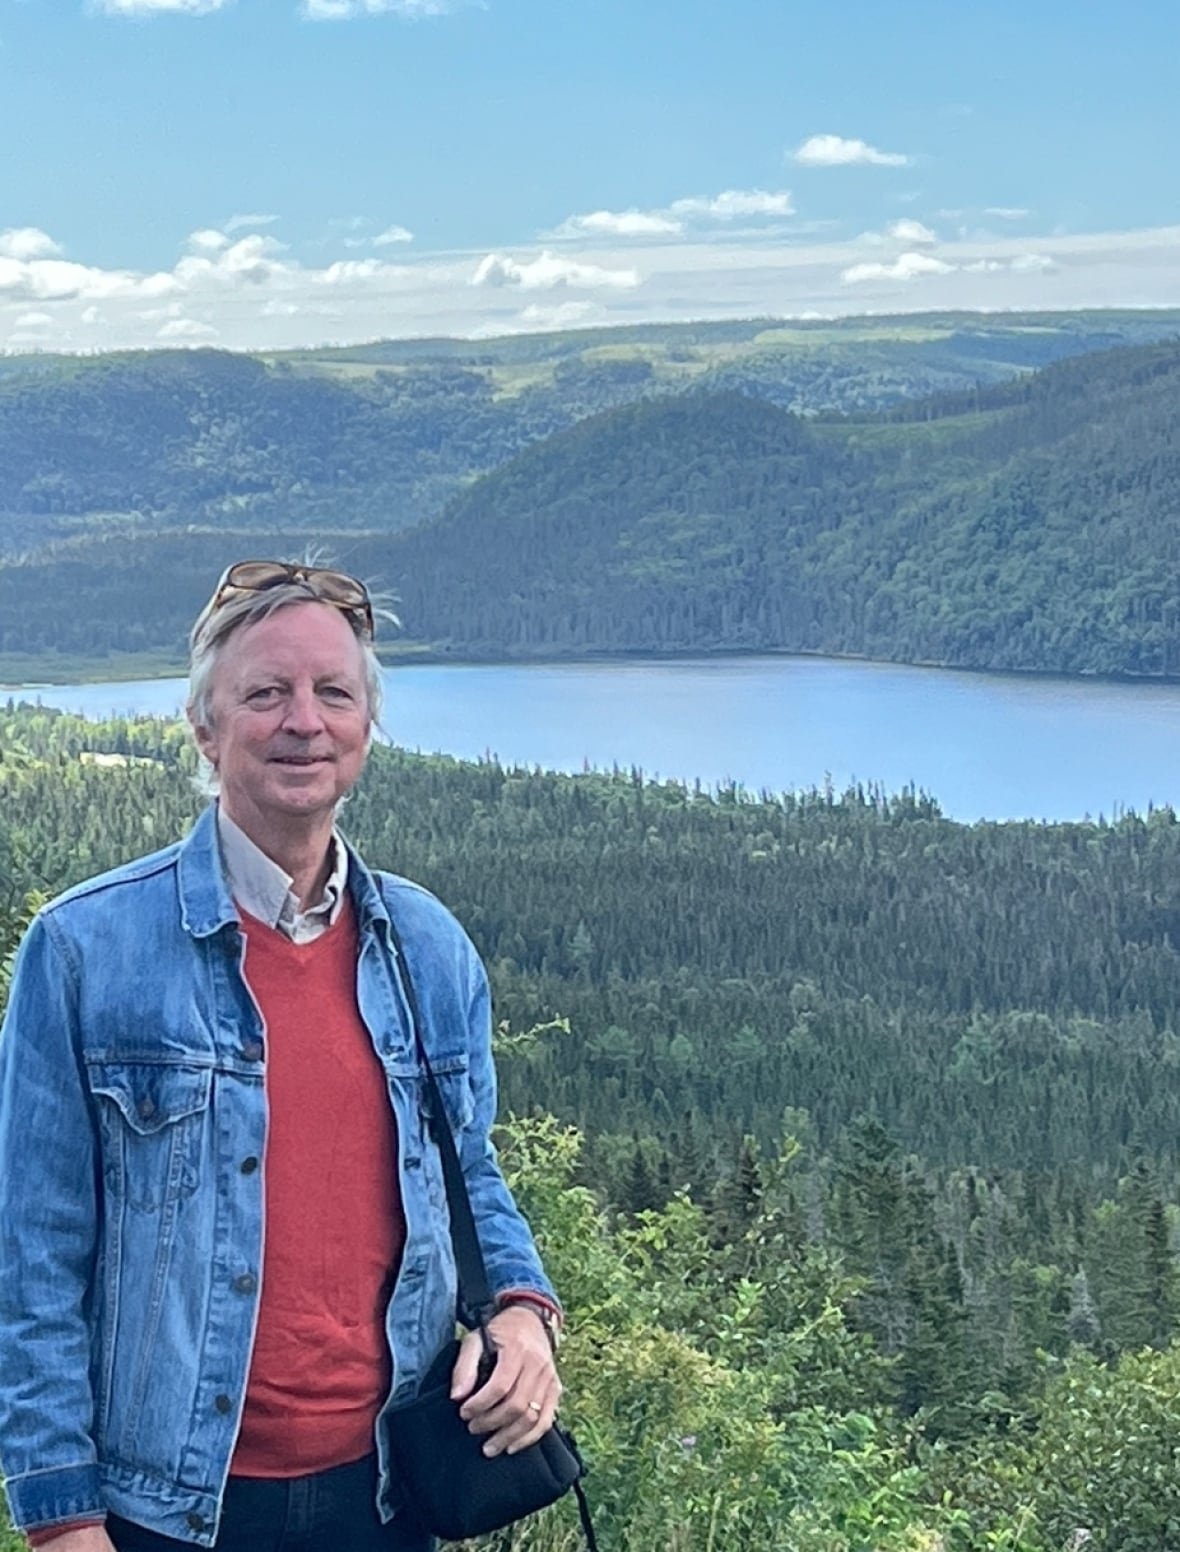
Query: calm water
x,y
985,746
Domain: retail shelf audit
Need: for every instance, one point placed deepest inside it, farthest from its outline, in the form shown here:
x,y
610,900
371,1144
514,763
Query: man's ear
x,y
206,737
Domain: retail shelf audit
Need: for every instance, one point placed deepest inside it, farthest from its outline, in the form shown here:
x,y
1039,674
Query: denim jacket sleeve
x,y
505,1238
49,1200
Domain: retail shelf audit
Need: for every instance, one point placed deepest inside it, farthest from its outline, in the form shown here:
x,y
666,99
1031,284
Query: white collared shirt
x,y
263,889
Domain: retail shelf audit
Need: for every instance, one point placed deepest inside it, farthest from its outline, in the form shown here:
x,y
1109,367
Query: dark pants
x,y
332,1511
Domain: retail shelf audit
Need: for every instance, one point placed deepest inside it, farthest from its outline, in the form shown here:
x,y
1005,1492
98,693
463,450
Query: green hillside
x,y
382,435
1023,524
1033,526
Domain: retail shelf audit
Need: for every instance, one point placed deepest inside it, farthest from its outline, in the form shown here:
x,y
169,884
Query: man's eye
x,y
336,692
266,692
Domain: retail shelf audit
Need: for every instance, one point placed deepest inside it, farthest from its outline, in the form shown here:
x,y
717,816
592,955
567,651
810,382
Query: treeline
x,y
874,1178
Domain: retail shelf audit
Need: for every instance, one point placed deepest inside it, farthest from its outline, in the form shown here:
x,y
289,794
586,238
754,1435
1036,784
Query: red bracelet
x,y
545,1311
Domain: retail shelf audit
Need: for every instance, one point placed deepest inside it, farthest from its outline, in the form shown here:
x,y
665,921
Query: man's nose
x,y
304,713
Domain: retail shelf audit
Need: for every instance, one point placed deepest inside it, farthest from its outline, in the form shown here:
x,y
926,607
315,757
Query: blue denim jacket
x,y
132,1063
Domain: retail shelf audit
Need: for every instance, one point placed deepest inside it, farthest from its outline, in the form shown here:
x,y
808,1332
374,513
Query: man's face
x,y
289,726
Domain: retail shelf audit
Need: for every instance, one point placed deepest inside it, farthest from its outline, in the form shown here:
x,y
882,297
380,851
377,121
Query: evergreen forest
x,y
848,1131
944,489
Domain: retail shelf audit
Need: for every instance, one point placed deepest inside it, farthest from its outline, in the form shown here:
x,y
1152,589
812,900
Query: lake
x,y
985,745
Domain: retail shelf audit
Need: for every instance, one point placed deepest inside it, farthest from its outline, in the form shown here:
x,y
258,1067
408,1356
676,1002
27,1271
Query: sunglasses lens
x,y
338,588
254,575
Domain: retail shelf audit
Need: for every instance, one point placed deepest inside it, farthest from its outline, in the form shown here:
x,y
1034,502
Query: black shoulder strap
x,y
475,1302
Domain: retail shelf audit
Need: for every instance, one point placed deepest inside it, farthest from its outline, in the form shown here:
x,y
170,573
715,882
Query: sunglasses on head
x,y
330,587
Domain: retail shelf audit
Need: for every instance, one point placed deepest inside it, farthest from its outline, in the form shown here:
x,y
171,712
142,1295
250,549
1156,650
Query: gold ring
x,y
535,1407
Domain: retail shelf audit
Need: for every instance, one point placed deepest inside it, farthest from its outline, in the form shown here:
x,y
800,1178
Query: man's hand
x,y
87,1538
519,1400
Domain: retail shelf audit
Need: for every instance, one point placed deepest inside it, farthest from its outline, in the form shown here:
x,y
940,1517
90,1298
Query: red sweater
x,y
334,1223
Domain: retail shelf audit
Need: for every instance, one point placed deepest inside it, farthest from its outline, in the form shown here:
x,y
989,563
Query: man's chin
x,y
296,797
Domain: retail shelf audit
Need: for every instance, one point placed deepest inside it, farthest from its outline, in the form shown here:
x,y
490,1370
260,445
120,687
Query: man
x,y
226,1255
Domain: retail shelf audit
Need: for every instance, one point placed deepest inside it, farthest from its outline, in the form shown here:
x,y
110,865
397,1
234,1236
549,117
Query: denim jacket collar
x,y
206,904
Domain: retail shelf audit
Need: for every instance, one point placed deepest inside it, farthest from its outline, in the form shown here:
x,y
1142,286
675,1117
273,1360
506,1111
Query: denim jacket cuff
x,y
56,1495
46,1535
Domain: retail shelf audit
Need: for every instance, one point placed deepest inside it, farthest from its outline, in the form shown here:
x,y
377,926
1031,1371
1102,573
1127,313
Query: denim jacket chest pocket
x,y
451,1075
150,1117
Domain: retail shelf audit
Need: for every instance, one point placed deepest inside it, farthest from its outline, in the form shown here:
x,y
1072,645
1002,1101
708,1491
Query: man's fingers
x,y
523,1418
466,1371
495,1389
536,1422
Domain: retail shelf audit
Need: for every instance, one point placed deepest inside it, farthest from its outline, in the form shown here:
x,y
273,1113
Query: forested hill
x,y
1033,526
1026,524
381,436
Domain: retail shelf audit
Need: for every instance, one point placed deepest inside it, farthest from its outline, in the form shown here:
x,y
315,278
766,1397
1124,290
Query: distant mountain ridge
x,y
1027,524
382,436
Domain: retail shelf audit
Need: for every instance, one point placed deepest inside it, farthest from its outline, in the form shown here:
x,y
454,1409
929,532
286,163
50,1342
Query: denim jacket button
x,y
248,1165
195,1521
223,1404
252,1050
146,1108
246,1283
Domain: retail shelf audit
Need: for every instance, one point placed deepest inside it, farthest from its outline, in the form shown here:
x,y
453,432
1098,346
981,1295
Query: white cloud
x,y
1022,264
907,266
912,266
49,280
27,242
186,328
620,223
672,220
242,223
33,321
346,271
911,232
562,316
250,259
1007,212
259,297
1033,263
735,202
207,240
835,151
547,271
346,10
158,7
355,232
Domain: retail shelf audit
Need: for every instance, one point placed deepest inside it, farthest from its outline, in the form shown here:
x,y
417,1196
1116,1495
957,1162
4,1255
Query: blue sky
x,y
280,172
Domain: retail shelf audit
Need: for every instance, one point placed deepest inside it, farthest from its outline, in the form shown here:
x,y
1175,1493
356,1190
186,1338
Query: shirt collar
x,y
263,889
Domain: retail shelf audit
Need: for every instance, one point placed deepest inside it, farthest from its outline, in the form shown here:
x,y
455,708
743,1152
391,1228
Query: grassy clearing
x,y
20,670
